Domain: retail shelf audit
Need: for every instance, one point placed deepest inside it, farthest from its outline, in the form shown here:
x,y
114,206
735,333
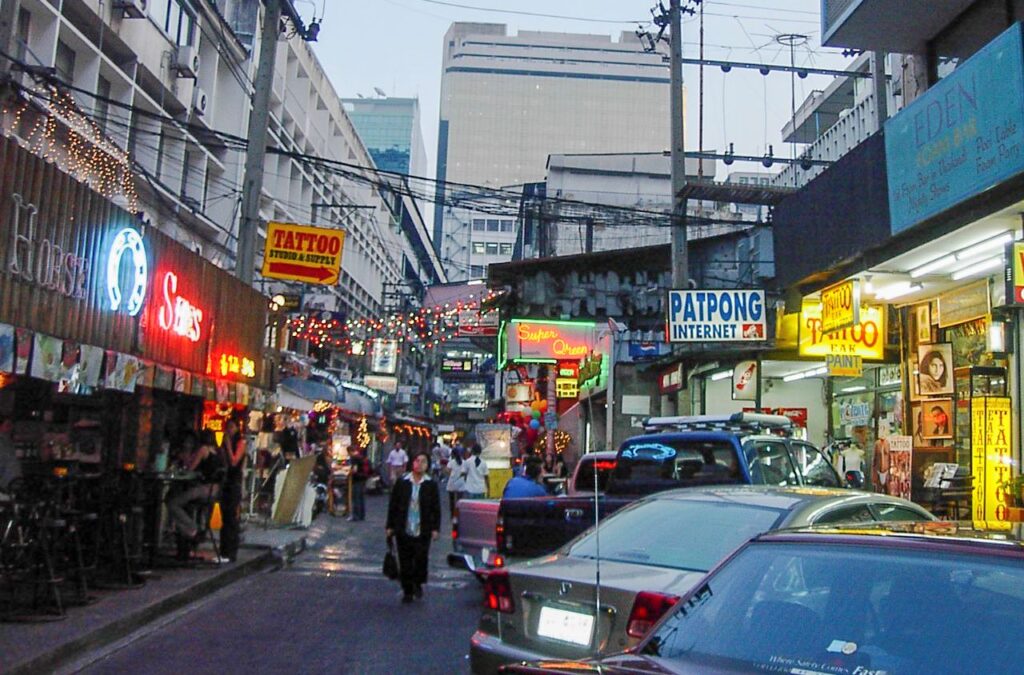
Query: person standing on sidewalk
x,y
414,518
475,471
360,471
456,483
397,461
233,449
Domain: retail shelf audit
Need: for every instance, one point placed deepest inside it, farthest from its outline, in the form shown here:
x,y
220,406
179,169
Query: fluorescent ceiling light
x,y
793,377
975,250
897,290
929,267
818,371
721,375
850,390
976,268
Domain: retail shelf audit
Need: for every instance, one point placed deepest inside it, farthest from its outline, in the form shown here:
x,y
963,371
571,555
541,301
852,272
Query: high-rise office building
x,y
510,101
390,130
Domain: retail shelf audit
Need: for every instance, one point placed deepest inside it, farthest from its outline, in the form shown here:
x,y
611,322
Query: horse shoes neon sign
x,y
127,241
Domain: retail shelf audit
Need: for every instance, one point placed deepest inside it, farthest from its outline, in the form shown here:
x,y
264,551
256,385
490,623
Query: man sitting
x,y
526,485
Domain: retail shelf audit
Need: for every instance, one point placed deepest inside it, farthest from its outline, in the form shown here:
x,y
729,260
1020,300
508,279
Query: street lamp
x,y
613,330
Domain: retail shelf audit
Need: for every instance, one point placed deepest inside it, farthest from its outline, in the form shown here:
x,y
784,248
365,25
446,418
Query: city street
x,y
330,611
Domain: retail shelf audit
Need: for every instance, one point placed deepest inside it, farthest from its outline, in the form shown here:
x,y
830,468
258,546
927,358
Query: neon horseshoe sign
x,y
127,242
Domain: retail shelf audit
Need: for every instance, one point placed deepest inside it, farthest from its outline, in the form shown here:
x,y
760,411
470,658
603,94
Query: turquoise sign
x,y
962,137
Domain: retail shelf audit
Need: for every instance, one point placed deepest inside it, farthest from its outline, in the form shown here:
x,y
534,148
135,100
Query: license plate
x,y
560,624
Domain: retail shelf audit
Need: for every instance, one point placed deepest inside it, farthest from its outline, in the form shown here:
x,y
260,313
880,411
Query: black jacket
x,y
430,506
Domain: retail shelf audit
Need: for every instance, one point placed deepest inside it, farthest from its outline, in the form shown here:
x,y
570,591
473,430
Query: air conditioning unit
x,y
186,61
132,9
200,101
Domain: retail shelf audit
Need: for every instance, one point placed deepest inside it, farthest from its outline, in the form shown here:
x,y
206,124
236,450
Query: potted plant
x,y
1015,490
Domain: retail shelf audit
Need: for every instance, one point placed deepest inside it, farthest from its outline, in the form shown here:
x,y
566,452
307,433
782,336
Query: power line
x,y
523,13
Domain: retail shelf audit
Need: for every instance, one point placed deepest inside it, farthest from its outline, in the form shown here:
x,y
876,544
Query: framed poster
x,y
915,391
923,323
935,369
937,418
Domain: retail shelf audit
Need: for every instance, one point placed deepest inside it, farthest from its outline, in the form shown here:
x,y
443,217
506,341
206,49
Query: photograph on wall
x,y
46,358
937,418
923,322
935,369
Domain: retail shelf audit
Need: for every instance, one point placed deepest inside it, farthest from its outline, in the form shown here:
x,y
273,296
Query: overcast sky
x,y
395,45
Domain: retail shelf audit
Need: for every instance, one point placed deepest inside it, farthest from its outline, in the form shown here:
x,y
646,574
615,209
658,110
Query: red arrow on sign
x,y
319,273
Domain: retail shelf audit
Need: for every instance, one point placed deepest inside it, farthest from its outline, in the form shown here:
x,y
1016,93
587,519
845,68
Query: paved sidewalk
x,y
43,647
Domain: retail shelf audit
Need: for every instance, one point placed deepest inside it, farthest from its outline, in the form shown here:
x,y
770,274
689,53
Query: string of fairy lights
x,y
428,326
62,134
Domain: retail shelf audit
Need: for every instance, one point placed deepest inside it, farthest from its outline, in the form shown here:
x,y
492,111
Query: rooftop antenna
x,y
380,92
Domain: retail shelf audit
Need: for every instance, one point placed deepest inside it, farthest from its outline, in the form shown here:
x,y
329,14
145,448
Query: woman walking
x,y
456,483
414,519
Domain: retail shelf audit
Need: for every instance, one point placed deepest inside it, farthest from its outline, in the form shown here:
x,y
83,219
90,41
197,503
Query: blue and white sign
x,y
961,137
716,316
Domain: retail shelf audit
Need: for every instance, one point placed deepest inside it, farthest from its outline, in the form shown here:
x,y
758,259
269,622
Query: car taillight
x,y
499,561
499,532
647,609
498,592
455,524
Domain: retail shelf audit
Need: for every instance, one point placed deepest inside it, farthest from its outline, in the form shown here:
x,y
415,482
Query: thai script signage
x,y
233,364
716,316
866,339
840,306
991,461
303,253
961,137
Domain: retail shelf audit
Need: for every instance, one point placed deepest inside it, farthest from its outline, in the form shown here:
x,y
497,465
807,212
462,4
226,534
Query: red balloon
x,y
543,405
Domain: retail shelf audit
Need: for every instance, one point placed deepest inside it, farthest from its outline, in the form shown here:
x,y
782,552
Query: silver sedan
x,y
650,553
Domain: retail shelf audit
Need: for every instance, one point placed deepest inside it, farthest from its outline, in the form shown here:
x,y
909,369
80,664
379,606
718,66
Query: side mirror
x,y
855,479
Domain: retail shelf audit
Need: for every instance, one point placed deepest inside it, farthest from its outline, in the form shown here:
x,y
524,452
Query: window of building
x,y
492,248
24,28
64,62
493,225
506,249
506,225
102,105
479,224
176,19
476,271
479,247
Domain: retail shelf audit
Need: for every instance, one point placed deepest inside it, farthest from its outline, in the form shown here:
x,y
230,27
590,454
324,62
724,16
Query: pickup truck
x,y
475,531
743,448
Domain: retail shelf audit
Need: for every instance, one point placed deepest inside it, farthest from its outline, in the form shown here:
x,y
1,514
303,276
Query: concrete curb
x,y
108,633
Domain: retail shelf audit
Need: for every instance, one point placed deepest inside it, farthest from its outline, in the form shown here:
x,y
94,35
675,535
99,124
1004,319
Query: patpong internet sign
x,y
303,253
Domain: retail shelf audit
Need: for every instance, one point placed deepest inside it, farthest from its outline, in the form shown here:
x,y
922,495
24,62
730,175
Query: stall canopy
x,y
300,394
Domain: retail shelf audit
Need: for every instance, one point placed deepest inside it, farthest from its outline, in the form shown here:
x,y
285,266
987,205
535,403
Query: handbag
x,y
390,567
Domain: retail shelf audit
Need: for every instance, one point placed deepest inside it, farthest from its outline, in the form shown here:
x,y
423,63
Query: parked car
x,y
742,448
895,599
475,525
650,553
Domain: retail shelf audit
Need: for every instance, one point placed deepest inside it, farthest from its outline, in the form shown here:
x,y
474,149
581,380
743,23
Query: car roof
x,y
786,498
601,454
698,435
934,535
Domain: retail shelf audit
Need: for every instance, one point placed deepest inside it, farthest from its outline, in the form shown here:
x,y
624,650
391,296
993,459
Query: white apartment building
x,y
510,101
163,77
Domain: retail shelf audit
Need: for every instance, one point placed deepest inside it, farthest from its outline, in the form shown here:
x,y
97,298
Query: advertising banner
x,y
840,306
961,137
866,339
716,316
901,450
385,356
744,381
1015,273
303,253
528,340
992,461
476,324
384,383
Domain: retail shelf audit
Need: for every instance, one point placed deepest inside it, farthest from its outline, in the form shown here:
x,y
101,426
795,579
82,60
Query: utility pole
x,y
680,265
259,116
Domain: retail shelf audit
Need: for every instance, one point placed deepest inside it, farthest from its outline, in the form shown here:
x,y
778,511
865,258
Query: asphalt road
x,y
330,611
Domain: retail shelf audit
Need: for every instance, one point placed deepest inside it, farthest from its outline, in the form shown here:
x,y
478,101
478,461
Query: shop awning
x,y
300,394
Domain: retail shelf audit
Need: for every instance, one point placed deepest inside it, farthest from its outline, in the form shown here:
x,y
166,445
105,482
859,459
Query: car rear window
x,y
585,476
681,534
649,465
851,609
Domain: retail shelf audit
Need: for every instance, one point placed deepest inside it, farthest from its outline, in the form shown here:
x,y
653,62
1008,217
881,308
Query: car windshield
x,y
831,608
648,465
676,533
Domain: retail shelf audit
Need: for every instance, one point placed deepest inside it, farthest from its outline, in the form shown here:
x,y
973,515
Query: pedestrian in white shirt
x,y
474,470
397,462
